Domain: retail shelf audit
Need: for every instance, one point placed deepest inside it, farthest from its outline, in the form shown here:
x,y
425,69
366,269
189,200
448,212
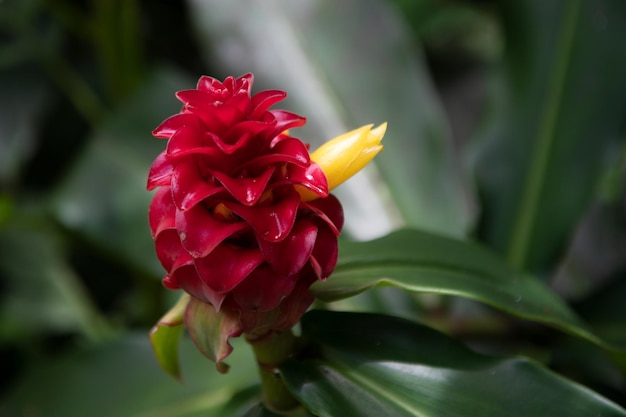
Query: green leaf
x,y
345,65
121,378
374,365
44,292
165,337
211,330
104,198
423,262
560,107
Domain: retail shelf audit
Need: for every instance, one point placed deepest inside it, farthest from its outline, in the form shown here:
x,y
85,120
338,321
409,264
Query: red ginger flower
x,y
229,223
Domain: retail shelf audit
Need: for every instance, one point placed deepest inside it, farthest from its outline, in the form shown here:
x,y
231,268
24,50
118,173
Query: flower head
x,y
242,219
229,226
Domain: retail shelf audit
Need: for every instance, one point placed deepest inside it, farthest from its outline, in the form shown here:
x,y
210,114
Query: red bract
x,y
229,225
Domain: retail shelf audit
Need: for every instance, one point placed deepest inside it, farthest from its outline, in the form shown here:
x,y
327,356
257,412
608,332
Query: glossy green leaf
x,y
104,198
560,107
165,337
346,64
373,365
423,262
121,378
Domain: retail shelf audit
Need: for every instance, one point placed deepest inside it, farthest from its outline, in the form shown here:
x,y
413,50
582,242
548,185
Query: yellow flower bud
x,y
342,157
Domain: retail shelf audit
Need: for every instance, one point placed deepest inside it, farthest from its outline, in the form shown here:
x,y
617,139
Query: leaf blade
x,y
422,262
558,110
165,337
405,369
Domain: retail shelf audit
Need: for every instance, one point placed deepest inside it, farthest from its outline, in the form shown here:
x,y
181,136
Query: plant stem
x,y
271,350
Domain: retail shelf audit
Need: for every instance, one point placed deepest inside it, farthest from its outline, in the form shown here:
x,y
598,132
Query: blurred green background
x,y
506,126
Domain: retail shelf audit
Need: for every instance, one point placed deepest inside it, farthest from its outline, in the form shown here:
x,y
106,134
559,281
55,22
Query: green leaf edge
x,y
165,337
327,291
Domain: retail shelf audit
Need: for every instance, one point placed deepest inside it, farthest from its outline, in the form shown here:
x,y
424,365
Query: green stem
x,y
537,171
271,350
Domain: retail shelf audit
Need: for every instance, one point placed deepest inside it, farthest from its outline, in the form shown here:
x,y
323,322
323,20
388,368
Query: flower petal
x,y
285,316
329,210
187,279
227,265
263,100
285,120
175,122
183,140
160,172
263,289
325,252
289,150
170,251
243,83
247,191
195,98
309,181
189,188
200,233
161,211
206,83
241,137
295,305
274,222
216,115
289,256
207,157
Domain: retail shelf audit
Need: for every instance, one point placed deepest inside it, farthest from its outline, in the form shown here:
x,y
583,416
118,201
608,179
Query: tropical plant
x,y
481,268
